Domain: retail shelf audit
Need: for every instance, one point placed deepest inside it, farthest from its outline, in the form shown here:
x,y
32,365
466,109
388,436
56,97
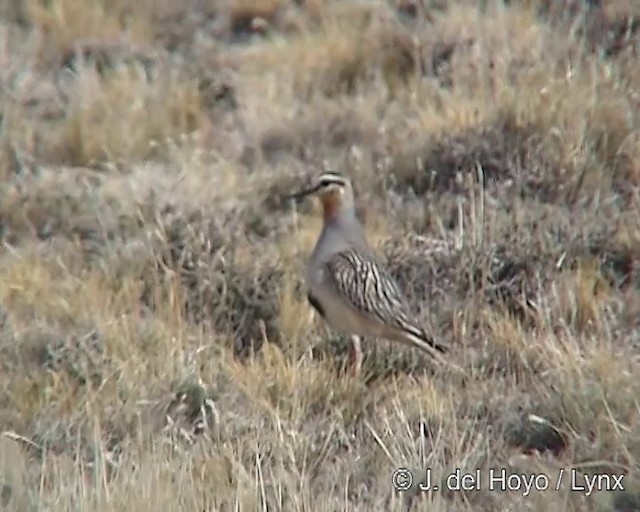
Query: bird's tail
x,y
415,337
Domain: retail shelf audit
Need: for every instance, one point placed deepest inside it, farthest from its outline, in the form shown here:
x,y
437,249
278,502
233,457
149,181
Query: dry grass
x,y
156,348
63,23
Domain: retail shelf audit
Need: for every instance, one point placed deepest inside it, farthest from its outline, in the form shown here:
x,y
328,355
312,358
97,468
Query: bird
x,y
346,283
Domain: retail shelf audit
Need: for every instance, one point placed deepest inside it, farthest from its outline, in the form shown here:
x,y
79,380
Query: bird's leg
x,y
356,356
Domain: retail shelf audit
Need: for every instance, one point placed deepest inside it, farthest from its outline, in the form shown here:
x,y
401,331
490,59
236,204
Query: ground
x,y
157,351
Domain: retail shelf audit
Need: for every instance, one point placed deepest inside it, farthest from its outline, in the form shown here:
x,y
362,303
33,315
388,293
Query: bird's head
x,y
334,191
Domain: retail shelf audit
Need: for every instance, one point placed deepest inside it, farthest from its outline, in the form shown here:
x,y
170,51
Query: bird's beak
x,y
298,197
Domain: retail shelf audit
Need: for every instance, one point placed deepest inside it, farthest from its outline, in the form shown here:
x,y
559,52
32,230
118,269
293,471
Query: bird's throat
x,y
331,205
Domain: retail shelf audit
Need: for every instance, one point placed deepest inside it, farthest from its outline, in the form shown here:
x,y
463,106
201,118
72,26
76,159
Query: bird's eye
x,y
331,183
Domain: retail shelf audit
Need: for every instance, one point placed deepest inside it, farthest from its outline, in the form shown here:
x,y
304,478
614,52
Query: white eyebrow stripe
x,y
331,177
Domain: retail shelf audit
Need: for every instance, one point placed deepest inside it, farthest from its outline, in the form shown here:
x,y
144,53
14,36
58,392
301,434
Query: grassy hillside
x,y
156,348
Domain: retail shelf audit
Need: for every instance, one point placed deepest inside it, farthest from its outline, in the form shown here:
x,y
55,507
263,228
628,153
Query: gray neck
x,y
342,232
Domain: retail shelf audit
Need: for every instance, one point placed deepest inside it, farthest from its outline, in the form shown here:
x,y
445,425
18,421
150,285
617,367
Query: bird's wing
x,y
371,289
368,286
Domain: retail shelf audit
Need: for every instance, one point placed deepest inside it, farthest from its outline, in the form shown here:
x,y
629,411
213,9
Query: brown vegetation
x,y
156,348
